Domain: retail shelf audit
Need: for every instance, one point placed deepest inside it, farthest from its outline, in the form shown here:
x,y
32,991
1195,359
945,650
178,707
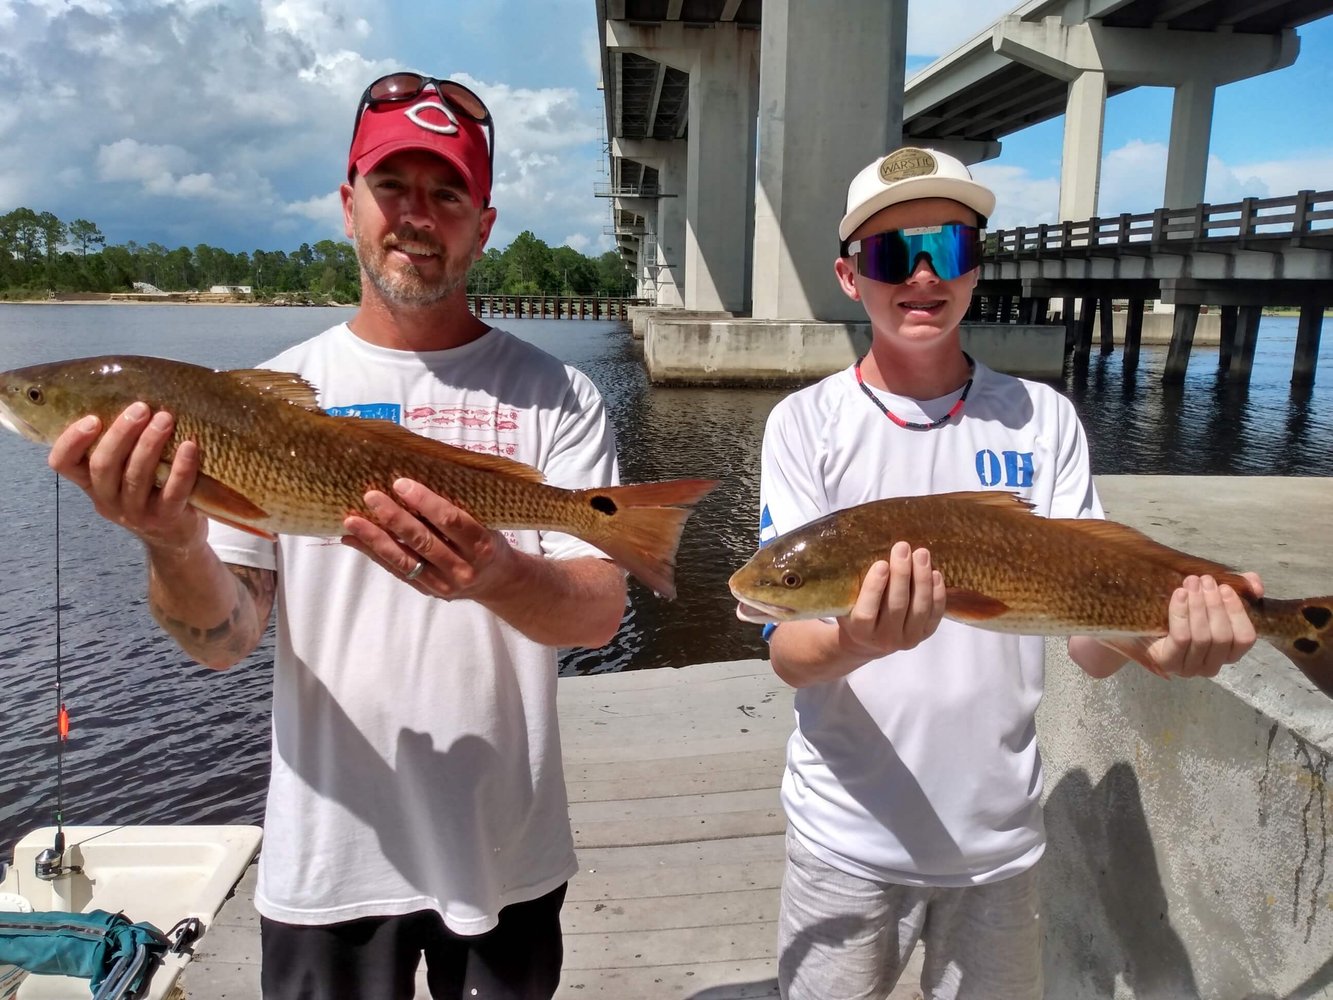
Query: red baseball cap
x,y
426,124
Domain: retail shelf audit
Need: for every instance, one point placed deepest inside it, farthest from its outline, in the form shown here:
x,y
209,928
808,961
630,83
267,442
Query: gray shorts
x,y
846,938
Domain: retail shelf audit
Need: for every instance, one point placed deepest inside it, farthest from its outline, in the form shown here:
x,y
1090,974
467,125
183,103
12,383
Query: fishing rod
x,y
50,864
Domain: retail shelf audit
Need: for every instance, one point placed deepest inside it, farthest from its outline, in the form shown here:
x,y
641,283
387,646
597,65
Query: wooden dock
x,y
673,782
553,306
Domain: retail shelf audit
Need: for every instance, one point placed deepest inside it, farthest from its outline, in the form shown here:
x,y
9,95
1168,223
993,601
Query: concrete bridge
x,y
734,126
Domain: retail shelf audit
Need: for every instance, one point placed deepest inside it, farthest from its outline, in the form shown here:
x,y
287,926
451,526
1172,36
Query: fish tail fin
x,y
643,529
1302,630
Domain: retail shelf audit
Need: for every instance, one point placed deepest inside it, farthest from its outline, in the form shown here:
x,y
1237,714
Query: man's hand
x,y
460,558
900,603
119,474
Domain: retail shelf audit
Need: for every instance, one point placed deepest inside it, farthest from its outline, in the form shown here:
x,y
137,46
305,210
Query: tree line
x,y
41,254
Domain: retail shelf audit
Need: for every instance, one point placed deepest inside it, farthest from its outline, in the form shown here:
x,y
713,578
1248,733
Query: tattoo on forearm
x,y
255,589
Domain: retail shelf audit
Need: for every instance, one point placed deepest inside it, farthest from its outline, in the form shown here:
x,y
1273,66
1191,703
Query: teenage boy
x,y
913,779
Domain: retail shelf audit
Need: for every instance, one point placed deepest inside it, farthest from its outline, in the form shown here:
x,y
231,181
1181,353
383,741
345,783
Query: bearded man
x,y
417,797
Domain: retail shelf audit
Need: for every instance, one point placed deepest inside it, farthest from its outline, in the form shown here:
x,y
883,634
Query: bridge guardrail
x,y
1306,217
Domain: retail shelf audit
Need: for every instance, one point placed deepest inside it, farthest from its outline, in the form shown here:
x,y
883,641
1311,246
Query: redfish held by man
x,y
1008,570
272,462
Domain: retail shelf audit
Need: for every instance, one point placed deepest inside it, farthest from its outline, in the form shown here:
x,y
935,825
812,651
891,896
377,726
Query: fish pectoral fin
x,y
285,385
968,605
222,503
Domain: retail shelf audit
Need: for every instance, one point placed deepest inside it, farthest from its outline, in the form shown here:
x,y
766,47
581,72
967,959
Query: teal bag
x,y
116,955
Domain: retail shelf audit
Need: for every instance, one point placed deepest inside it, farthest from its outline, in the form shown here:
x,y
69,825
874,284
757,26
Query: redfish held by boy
x,y
272,462
1008,570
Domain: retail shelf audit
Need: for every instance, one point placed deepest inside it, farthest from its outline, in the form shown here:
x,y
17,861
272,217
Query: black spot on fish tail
x,y
603,504
1317,615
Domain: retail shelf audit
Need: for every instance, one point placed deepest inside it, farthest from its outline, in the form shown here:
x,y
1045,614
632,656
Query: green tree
x,y
613,275
33,256
53,235
575,274
487,274
528,266
21,234
85,234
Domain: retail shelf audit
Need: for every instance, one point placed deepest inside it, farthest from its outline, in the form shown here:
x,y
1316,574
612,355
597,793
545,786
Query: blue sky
x,y
227,123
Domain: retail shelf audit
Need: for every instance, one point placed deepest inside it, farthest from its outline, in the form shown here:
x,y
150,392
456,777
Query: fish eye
x,y
791,580
34,394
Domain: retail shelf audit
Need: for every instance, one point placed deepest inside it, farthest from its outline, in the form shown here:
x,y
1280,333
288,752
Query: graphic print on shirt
x,y
368,411
1011,469
437,421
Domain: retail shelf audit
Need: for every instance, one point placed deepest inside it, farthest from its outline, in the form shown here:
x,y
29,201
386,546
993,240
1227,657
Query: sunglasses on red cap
x,y
399,88
951,250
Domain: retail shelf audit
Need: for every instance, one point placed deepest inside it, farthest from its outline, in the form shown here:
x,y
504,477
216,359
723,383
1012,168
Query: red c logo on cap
x,y
414,116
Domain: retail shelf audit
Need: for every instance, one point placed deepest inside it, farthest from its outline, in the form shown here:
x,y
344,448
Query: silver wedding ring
x,y
415,571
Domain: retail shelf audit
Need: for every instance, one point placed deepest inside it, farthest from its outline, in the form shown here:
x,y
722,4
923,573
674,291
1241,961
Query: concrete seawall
x,y
1190,821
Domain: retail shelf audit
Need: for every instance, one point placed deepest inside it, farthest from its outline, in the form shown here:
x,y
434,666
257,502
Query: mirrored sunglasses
x,y
951,250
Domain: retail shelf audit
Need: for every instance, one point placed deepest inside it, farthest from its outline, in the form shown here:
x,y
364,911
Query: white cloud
x,y
1133,178
1308,169
1020,198
131,160
325,210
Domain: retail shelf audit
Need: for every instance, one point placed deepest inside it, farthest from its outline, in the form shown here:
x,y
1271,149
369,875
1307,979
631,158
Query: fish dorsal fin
x,y
1132,540
391,435
991,498
285,385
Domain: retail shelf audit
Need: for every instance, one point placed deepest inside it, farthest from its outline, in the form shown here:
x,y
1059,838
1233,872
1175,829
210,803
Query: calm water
x,y
155,739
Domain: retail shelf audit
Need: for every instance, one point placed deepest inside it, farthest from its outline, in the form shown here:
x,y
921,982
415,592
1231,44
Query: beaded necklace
x,y
954,410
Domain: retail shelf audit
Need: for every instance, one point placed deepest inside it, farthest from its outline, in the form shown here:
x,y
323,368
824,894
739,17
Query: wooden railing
x,y
1301,220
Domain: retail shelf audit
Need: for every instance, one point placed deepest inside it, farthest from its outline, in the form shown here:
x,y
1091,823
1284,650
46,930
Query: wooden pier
x,y
673,780
553,306
1240,257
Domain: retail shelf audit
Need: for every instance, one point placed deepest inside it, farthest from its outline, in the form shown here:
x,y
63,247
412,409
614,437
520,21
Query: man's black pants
x,y
376,958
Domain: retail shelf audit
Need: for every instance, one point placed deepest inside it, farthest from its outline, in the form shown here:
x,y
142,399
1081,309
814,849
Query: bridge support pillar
x,y
831,101
1108,326
1086,316
668,158
720,178
1187,156
1182,340
1081,164
1242,362
1226,339
1133,335
722,62
1307,344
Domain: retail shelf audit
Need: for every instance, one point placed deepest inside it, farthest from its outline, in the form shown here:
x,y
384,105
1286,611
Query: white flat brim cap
x,y
908,174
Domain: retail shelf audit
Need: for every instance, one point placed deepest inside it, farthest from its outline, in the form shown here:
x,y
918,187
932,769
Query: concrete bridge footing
x,y
719,349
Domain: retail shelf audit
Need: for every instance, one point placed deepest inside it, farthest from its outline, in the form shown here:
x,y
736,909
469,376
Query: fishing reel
x,y
50,864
